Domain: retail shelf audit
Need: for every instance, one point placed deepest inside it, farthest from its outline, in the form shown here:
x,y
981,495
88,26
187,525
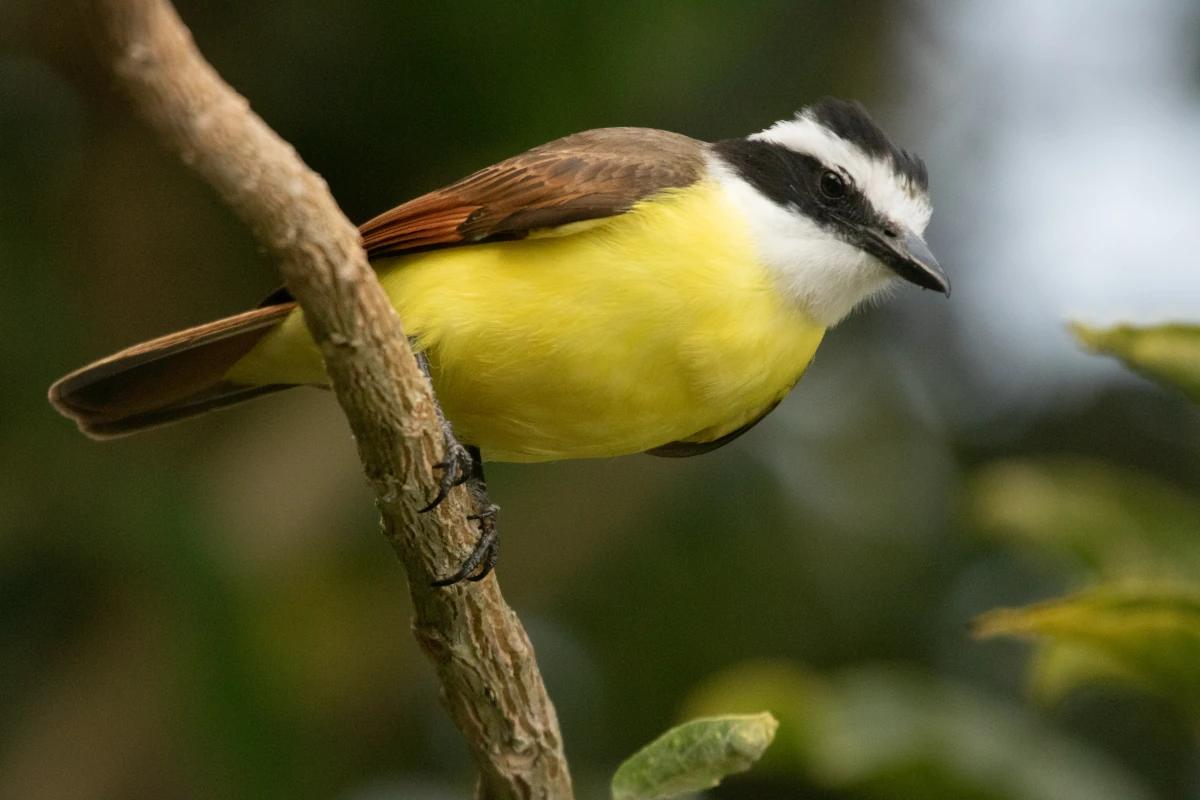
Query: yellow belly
x,y
656,326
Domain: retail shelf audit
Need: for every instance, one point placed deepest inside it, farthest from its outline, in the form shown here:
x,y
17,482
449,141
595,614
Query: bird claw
x,y
465,465
462,465
478,565
457,467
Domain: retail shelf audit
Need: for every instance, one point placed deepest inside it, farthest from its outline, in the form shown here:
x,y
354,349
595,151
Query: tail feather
x,y
166,379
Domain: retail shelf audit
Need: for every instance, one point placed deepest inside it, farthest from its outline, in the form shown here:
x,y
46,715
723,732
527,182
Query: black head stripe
x,y
850,121
781,174
792,179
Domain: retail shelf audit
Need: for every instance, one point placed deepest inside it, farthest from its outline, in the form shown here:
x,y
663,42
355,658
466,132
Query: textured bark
x,y
490,682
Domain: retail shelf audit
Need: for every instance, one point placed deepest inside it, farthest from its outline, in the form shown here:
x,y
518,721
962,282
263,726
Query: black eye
x,y
833,185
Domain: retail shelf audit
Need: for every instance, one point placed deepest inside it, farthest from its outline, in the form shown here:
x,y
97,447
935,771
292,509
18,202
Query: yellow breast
x,y
655,326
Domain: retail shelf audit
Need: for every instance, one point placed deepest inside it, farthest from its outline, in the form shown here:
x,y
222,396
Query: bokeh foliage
x,y
208,610
1166,353
888,732
1137,621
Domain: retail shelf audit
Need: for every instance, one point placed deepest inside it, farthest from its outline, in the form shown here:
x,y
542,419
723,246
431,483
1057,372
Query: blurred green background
x,y
209,610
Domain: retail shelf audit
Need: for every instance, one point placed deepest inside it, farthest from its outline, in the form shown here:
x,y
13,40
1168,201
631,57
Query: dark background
x,y
209,610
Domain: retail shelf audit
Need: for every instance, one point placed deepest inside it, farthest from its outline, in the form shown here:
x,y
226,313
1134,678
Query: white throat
x,y
823,275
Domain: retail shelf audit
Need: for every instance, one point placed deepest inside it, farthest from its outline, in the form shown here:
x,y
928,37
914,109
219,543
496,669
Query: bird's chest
x,y
656,328
603,387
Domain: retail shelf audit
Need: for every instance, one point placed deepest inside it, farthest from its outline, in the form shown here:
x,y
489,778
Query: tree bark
x,y
490,684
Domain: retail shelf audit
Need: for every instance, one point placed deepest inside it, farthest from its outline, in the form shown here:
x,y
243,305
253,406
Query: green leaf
x,y
1146,634
1118,522
891,734
1168,354
693,756
1058,668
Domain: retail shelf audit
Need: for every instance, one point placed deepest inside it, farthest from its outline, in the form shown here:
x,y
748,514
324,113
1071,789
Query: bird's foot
x,y
483,558
458,465
465,465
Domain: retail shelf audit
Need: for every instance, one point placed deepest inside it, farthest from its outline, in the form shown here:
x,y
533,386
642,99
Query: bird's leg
x,y
483,558
457,463
464,464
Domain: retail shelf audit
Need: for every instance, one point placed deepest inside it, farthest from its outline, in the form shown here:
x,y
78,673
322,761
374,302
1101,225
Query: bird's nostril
x,y
891,233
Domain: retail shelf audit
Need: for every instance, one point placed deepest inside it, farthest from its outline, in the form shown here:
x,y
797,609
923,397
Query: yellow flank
x,y
656,326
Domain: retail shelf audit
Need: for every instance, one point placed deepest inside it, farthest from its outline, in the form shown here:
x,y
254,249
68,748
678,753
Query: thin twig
x,y
490,682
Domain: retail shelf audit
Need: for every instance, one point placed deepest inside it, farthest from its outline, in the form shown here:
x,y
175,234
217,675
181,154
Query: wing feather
x,y
589,175
685,448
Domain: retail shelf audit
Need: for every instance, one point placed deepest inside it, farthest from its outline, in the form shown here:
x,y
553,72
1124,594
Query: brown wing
x,y
589,175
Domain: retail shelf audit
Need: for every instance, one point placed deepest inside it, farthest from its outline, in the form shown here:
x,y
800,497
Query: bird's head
x,y
836,210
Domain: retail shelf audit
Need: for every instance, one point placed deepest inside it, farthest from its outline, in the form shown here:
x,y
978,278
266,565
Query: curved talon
x,y
493,555
457,468
444,487
485,554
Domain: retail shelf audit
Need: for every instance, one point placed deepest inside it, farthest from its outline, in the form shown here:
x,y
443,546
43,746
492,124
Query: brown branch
x,y
490,682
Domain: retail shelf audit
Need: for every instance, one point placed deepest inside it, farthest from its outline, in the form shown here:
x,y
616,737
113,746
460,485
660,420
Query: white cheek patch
x,y
824,275
890,194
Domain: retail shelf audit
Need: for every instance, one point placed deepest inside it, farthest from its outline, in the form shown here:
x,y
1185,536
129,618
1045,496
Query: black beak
x,y
907,254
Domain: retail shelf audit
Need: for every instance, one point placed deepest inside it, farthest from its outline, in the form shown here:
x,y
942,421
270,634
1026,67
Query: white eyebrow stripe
x,y
892,195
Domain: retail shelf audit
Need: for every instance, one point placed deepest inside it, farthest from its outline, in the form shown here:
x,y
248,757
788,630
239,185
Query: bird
x,y
616,291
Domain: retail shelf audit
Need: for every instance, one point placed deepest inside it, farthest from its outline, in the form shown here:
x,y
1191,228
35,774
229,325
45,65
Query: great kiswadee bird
x,y
620,290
